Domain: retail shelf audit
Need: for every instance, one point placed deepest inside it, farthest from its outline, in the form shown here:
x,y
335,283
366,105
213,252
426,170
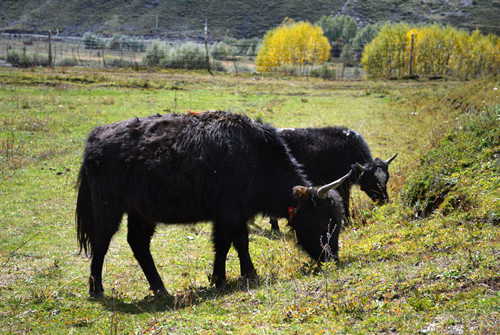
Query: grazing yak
x,y
329,153
187,168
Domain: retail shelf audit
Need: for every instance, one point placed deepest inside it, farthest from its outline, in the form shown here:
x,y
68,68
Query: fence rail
x,y
72,51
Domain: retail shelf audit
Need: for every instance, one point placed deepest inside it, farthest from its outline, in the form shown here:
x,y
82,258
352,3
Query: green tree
x,y
341,28
364,37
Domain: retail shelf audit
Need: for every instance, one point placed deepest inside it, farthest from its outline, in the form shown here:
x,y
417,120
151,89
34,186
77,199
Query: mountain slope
x,y
238,18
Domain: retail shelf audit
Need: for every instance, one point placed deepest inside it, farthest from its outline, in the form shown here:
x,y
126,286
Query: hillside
x,y
179,19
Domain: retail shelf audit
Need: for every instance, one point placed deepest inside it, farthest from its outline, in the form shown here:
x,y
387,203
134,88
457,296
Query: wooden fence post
x,y
411,54
206,48
50,49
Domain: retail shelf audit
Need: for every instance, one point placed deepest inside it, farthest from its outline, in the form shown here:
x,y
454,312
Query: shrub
x,y
188,55
26,60
117,62
67,62
155,53
125,42
324,71
243,46
221,50
93,41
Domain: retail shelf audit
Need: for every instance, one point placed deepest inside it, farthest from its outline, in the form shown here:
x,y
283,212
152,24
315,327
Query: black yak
x,y
330,152
212,166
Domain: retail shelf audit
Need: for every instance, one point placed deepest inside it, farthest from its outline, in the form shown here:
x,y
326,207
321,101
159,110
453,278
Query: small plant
x,y
93,41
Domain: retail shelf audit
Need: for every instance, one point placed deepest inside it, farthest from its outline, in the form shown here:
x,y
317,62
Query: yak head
x,y
373,178
317,219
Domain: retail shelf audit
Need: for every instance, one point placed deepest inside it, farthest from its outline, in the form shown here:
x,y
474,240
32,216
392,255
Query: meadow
x,y
428,262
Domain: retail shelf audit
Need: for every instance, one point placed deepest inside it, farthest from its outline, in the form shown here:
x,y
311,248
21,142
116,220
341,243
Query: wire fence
x,y
110,52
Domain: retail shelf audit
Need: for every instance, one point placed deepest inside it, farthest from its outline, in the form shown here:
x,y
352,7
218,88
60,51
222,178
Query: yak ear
x,y
302,193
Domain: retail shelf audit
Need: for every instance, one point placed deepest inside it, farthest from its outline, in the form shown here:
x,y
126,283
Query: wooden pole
x,y
206,48
411,54
50,49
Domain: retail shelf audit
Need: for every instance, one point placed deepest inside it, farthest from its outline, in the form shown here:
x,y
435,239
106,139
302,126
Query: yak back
x,y
191,167
326,153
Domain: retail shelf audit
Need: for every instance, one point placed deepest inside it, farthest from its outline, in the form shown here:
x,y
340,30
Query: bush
x,y
221,50
186,55
93,41
67,62
117,62
240,68
26,60
125,42
244,46
155,52
325,71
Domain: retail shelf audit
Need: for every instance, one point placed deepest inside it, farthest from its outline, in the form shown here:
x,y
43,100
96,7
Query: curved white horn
x,y
390,159
323,190
360,167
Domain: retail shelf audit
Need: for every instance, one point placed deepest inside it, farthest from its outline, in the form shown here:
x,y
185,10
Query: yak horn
x,y
390,159
323,190
360,167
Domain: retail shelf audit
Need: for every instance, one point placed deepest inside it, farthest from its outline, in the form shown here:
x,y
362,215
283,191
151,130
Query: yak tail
x,y
83,213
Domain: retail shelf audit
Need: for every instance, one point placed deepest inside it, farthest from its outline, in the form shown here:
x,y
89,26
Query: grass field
x,y
403,269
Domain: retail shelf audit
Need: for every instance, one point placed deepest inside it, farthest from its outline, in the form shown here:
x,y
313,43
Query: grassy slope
x,y
400,272
235,18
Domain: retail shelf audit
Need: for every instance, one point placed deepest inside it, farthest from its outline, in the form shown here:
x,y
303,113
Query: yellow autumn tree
x,y
437,51
294,44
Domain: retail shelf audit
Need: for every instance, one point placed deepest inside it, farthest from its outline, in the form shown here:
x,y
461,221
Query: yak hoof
x,y
160,292
220,283
96,294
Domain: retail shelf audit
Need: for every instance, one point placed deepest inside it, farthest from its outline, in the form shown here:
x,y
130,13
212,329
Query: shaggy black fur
x,y
212,166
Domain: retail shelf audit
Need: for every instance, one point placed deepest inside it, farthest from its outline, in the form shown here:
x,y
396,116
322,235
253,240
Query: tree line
x,y
383,50
431,50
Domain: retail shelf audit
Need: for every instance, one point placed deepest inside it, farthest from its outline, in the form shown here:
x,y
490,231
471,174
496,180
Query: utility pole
x,y
206,47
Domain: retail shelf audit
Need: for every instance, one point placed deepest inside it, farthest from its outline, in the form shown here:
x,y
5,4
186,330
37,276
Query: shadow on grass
x,y
189,297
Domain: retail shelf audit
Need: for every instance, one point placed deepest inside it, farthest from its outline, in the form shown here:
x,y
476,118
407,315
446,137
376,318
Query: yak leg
x,y
274,223
139,236
222,243
100,247
240,242
103,231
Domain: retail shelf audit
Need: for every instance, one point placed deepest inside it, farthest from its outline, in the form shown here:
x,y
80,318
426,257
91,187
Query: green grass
x,y
400,271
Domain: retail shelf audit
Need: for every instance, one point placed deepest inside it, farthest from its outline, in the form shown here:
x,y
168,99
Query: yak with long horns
x,y
329,153
212,166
